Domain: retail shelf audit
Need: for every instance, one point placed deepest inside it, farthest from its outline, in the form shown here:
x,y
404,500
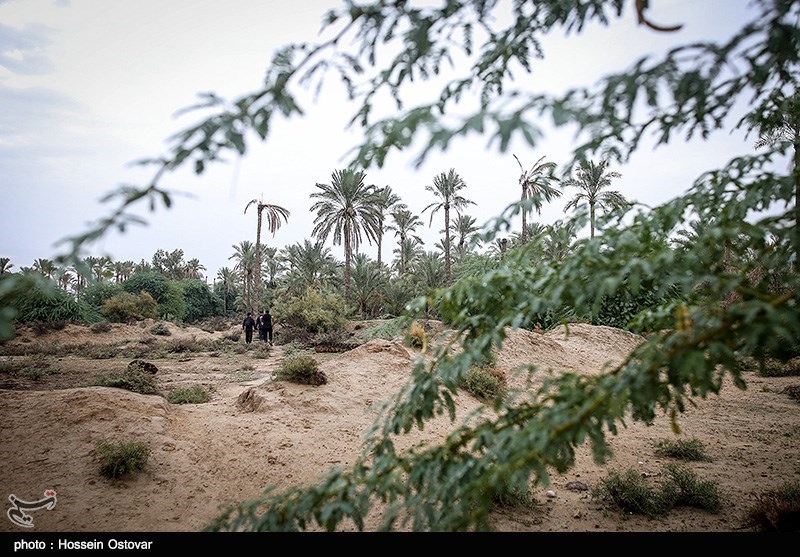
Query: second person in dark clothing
x,y
265,326
247,326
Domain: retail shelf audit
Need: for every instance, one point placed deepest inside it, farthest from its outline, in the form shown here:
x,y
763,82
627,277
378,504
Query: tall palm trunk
x,y
796,176
447,244
347,255
258,257
524,213
380,241
591,220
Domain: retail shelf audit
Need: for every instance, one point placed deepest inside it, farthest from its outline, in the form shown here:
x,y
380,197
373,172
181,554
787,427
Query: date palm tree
x,y
5,265
592,179
404,223
349,209
227,277
45,267
245,256
465,228
310,264
386,200
446,186
535,185
274,214
406,253
193,268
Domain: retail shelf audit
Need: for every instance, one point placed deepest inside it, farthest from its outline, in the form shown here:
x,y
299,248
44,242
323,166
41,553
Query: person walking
x,y
247,326
265,327
262,330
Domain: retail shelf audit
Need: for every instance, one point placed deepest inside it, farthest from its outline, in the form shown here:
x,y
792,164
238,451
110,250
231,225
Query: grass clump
x,y
484,383
680,488
416,337
194,394
682,449
390,330
301,368
133,379
160,329
121,459
181,345
776,510
793,391
100,327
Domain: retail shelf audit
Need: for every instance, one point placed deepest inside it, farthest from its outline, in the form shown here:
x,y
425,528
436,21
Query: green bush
x,y
314,311
629,492
684,489
390,330
122,458
45,304
96,294
301,369
132,379
776,510
167,293
683,449
189,395
125,307
197,299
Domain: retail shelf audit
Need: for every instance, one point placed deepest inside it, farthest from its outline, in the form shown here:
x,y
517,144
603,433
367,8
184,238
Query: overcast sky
x,y
88,86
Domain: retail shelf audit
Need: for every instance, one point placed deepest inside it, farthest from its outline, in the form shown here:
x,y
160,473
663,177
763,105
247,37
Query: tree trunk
x,y
796,177
591,220
524,217
447,245
402,255
258,257
347,264
380,240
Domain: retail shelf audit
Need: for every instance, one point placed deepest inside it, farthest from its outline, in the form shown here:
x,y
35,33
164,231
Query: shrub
x,y
235,336
388,331
415,336
167,293
314,311
101,327
683,449
123,458
96,294
776,368
189,395
132,379
44,327
777,510
179,345
46,304
793,391
125,307
160,329
197,299
684,489
484,382
301,369
681,488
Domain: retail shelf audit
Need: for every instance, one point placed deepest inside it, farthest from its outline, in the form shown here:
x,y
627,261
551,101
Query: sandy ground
x,y
206,455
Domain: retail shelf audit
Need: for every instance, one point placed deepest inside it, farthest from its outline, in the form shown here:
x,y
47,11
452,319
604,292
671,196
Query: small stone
x,y
550,493
578,514
577,486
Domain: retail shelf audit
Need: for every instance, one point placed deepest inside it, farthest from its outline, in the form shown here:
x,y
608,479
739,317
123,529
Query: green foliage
x,y
160,329
120,459
392,329
133,378
314,311
776,510
197,299
167,293
125,307
300,368
96,294
680,488
34,300
683,449
194,394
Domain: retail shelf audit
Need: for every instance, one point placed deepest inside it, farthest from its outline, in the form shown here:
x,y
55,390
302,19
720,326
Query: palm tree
x,y
429,272
274,215
465,229
446,187
310,265
98,266
348,208
192,269
143,267
786,128
407,252
386,200
404,223
45,267
369,281
245,256
536,187
228,279
592,179
5,265
557,241
65,278
531,231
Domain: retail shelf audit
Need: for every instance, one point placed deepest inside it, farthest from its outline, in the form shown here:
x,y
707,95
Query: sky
x,y
89,86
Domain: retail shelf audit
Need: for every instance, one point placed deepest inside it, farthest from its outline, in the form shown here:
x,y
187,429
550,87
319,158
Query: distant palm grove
x,y
349,212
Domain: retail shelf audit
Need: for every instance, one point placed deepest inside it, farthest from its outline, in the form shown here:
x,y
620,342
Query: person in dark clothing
x,y
247,326
265,326
262,333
